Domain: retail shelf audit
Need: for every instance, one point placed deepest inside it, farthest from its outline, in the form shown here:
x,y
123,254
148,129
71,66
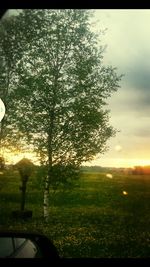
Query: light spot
x,y
124,193
118,148
109,175
1,172
2,109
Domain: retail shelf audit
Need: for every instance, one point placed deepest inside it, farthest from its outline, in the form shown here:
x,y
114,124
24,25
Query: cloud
x,y
128,40
131,103
138,74
143,132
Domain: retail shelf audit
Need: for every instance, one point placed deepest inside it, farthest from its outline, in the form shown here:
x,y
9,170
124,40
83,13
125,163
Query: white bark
x,y
46,199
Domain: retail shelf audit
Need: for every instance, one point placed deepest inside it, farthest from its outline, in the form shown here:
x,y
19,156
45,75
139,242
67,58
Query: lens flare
x,y
2,109
118,148
109,175
124,193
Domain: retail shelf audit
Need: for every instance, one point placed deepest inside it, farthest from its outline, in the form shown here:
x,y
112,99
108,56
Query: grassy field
x,y
95,219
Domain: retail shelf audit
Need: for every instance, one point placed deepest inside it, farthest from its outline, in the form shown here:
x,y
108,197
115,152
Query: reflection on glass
x,y
18,248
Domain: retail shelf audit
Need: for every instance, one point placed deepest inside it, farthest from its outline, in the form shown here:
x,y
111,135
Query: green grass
x,y
92,220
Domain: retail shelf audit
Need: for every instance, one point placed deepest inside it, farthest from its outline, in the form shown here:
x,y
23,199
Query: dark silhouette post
x,y
23,189
25,168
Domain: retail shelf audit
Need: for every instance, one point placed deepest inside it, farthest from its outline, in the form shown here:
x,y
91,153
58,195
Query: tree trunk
x,y
49,152
46,199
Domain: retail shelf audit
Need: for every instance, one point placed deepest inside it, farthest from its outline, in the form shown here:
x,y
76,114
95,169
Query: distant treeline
x,y
136,170
141,170
94,169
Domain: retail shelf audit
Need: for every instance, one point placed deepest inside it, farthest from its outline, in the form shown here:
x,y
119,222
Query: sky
x,y
127,37
128,48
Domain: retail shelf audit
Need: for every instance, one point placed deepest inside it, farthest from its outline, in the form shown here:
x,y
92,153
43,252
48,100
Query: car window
x,y
26,250
6,247
18,242
75,130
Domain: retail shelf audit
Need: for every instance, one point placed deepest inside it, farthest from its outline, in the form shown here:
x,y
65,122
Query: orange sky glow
x,y
13,158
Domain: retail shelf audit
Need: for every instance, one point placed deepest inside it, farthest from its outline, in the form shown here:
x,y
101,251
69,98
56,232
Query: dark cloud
x,y
139,78
138,71
130,102
134,94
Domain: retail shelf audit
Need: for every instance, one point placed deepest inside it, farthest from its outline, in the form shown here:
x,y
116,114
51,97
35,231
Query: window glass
x,y
28,250
6,247
19,241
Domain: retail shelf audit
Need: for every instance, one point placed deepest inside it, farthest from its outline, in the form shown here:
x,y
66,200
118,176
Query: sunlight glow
x,y
13,158
118,162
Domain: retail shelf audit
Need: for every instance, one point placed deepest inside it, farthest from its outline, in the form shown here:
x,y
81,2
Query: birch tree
x,y
11,50
60,87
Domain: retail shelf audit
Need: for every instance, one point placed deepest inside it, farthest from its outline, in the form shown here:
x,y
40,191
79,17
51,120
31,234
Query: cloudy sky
x,y
128,48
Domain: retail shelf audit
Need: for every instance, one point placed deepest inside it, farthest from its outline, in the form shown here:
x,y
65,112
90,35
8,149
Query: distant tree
x,y
138,170
59,89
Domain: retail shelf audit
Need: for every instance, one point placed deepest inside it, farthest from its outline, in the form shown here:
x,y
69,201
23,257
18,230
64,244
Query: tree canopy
x,y
58,85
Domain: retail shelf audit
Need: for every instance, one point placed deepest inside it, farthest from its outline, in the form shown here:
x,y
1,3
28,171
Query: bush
x,y
63,176
2,163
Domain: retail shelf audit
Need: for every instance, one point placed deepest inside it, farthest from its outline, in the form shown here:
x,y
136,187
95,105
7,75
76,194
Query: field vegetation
x,y
100,216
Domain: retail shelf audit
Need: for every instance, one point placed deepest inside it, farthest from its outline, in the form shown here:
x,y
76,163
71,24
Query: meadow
x,y
100,217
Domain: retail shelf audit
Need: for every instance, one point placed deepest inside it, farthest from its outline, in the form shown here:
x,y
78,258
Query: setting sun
x,y
13,158
138,162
